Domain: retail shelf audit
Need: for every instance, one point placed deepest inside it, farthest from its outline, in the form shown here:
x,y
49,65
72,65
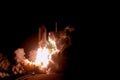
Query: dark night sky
x,y
15,29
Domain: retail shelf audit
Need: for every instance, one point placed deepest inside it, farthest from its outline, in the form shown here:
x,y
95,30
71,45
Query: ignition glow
x,y
42,57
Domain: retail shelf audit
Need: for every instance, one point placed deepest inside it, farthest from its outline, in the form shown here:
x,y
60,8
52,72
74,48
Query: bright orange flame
x,y
42,57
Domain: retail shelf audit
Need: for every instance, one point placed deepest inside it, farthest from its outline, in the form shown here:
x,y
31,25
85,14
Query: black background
x,y
15,29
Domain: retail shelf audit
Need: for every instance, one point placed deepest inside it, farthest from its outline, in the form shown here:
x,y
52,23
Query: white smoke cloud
x,y
20,55
23,65
4,66
32,55
16,68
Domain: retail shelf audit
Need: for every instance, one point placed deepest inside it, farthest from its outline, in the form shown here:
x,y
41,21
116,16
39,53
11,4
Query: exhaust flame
x,y
42,57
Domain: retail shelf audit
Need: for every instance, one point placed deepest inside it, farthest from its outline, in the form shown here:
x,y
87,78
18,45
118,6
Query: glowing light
x,y
42,57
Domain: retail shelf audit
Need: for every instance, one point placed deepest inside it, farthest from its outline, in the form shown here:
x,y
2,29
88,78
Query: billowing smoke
x,y
32,55
4,63
18,69
20,55
4,66
63,41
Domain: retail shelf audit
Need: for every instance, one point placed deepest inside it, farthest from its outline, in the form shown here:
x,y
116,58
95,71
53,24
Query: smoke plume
x,y
18,69
4,66
20,55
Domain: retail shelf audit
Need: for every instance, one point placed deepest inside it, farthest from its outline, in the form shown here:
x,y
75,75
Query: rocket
x,y
42,37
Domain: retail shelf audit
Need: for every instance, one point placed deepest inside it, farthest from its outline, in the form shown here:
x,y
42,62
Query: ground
x,y
41,77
